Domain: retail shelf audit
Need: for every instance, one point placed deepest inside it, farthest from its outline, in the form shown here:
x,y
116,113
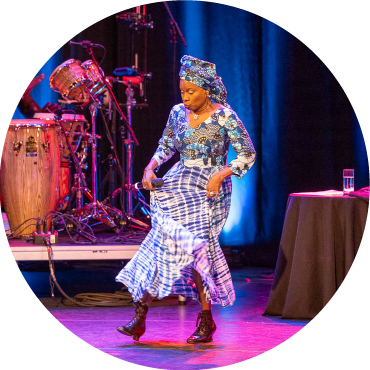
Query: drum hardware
x,y
94,209
138,19
126,219
79,188
128,143
127,125
31,147
59,121
46,146
93,143
110,178
82,154
142,225
132,78
17,147
76,89
144,207
74,80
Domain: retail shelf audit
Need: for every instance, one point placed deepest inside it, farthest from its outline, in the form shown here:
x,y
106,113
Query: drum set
x,y
43,161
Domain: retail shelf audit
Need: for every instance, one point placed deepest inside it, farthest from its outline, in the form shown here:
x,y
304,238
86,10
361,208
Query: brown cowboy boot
x,y
136,327
205,330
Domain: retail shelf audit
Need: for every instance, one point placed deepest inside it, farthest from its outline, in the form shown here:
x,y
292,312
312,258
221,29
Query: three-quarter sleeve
x,y
242,144
166,148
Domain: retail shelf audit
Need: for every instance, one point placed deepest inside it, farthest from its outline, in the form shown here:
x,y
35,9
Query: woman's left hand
x,y
214,186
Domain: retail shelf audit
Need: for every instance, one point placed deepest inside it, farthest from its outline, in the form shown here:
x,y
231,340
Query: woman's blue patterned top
x,y
207,144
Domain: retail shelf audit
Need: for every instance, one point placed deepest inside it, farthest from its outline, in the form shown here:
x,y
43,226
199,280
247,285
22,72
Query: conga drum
x,y
30,171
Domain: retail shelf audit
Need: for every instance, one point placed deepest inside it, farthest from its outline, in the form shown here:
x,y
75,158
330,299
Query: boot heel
x,y
137,336
136,327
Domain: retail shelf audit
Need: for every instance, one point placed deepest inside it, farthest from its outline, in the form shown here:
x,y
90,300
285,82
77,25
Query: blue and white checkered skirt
x,y
184,235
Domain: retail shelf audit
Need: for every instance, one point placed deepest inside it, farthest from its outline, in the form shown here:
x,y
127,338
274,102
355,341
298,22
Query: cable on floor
x,y
88,299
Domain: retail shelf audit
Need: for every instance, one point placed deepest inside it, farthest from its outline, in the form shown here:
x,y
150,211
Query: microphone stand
x,y
130,103
96,209
90,51
175,31
139,21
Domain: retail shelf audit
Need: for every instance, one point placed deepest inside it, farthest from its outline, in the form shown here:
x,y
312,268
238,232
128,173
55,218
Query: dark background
x,y
299,118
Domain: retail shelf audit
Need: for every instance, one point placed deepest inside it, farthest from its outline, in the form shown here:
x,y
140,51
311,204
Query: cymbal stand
x,y
127,188
95,209
138,21
93,142
128,144
131,139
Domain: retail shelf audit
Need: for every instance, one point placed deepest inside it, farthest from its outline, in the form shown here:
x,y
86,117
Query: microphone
x,y
87,44
156,183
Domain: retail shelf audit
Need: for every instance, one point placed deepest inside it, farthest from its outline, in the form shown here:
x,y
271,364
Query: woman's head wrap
x,y
203,74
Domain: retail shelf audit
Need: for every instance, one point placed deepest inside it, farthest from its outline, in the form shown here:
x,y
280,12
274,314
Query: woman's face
x,y
193,96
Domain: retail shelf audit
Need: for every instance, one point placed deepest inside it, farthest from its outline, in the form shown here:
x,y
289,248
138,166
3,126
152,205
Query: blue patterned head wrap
x,y
203,74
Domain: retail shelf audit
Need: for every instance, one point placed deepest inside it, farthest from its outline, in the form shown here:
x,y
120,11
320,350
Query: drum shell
x,y
98,85
64,179
74,129
30,178
69,79
74,124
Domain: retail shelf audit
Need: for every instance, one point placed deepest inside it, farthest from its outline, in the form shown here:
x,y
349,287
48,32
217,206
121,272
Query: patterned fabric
x,y
207,144
185,223
184,235
203,74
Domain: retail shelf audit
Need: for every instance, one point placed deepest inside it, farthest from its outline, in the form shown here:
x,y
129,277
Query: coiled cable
x,y
88,299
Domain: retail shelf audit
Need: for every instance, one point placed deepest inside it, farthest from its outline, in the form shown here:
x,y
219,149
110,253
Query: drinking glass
x,y
348,181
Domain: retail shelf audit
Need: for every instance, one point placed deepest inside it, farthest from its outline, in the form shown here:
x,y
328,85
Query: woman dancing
x,y
181,254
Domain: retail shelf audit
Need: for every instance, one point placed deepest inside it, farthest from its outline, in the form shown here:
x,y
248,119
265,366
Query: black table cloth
x,y
320,239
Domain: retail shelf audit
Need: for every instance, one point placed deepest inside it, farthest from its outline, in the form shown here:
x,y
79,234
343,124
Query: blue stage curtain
x,y
300,120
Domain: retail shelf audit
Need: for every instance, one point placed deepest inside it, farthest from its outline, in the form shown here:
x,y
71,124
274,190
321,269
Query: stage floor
x,y
242,331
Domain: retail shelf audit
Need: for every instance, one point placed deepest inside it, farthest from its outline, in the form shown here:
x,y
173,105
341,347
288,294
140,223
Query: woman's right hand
x,y
148,176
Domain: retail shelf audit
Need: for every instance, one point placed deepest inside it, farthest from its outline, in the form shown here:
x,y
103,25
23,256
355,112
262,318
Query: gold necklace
x,y
196,116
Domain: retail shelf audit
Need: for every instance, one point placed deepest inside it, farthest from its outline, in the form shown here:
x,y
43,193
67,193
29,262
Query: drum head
x,y
73,117
45,116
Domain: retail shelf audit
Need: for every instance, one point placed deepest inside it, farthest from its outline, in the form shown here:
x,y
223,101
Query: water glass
x,y
348,181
